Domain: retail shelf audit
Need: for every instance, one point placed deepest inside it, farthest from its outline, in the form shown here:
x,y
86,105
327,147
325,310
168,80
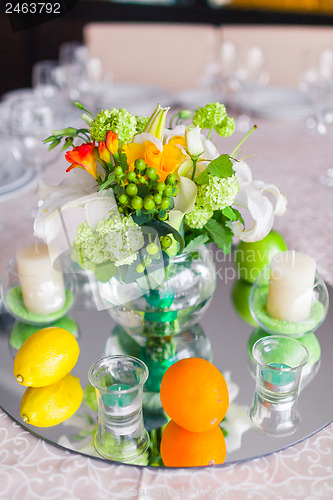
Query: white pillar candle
x,y
42,286
291,283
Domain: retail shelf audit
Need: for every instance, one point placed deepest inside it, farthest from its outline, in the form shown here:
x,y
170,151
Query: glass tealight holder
x,y
280,361
310,341
118,382
50,295
314,298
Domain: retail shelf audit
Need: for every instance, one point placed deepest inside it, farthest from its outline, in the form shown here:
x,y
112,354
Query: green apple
x,y
252,258
240,297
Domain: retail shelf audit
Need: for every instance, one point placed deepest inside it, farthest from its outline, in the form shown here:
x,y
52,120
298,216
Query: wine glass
x,y
43,81
316,82
31,119
248,76
81,76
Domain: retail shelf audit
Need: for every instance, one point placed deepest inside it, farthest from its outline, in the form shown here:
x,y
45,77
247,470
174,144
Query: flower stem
x,y
210,132
194,168
244,138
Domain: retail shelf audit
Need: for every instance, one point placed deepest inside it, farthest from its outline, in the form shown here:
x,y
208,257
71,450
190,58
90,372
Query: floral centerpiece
x,y
153,198
173,180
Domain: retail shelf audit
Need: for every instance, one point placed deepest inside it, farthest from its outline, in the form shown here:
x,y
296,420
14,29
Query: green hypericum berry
x,y
136,203
162,216
141,179
123,199
152,248
166,241
171,179
118,171
168,190
148,203
160,187
131,176
140,164
131,190
150,173
165,203
140,268
157,198
175,191
120,178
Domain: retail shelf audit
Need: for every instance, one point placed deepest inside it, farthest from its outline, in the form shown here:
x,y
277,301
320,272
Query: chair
x,y
170,55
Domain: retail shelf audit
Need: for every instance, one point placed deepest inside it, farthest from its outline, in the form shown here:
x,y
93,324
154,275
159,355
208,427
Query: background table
x,y
31,468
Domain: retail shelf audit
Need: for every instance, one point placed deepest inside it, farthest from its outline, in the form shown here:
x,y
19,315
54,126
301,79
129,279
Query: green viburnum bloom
x,y
116,239
220,192
198,217
141,122
226,127
214,115
120,121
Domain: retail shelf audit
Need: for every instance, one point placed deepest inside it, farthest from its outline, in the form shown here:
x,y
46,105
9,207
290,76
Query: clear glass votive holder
x,y
280,361
310,341
118,382
315,299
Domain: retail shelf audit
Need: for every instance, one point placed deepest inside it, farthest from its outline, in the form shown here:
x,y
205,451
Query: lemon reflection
x,y
50,405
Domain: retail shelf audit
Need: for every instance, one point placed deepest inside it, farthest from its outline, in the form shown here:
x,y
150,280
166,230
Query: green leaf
x,y
143,190
122,161
196,241
230,213
239,216
221,166
203,178
141,219
219,234
108,182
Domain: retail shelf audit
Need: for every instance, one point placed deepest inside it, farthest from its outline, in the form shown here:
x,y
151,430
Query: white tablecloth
x,y
33,469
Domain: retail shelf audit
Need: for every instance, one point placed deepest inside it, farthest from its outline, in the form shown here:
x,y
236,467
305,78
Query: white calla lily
x,y
251,197
72,192
187,189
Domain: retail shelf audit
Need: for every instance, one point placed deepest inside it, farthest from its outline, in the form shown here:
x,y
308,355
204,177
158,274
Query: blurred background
x,y
22,49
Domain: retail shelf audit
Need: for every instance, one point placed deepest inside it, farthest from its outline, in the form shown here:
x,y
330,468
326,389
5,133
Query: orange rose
x,y
164,162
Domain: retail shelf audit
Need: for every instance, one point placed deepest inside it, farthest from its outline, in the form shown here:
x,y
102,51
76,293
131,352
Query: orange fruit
x,y
182,448
194,394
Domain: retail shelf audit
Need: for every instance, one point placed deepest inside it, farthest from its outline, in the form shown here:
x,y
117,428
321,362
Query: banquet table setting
x,y
37,463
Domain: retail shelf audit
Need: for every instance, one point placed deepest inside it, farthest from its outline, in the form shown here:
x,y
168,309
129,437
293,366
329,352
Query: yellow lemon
x,y
51,405
46,357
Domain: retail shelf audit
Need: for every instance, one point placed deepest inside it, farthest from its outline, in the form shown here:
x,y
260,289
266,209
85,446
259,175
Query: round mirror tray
x,y
222,336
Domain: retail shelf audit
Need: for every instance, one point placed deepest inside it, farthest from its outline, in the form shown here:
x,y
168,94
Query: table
x,y
31,468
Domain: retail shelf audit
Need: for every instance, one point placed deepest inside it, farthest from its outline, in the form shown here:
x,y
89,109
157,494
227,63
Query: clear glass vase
x,y
168,307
